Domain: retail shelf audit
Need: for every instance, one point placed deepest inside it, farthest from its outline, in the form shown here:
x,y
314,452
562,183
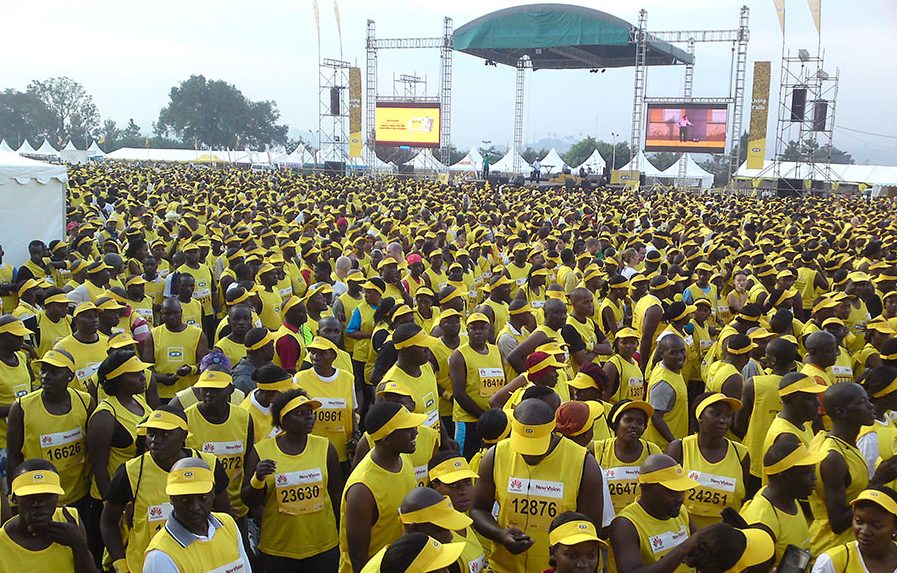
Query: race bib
x,y
88,371
157,514
145,313
421,475
64,449
843,371
667,540
521,281
300,492
705,344
330,415
229,454
235,567
477,565
491,380
533,504
622,481
708,480
537,303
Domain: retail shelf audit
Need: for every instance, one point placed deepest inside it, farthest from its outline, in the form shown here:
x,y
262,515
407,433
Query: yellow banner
x,y
354,112
780,12
816,12
759,111
407,124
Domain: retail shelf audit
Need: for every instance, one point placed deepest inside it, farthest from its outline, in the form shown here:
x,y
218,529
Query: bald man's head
x,y
580,294
822,349
533,412
848,403
656,462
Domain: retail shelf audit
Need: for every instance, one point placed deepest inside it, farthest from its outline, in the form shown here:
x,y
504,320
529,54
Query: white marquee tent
x,y
695,175
95,151
71,154
552,163
595,162
473,161
425,161
32,204
4,147
645,167
25,148
506,164
46,150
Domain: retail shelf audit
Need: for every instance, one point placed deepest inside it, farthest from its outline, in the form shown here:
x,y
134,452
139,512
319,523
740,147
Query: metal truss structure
x,y
445,46
333,121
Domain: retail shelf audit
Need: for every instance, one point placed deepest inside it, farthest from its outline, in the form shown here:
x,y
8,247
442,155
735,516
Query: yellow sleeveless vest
x,y
334,417
218,554
721,484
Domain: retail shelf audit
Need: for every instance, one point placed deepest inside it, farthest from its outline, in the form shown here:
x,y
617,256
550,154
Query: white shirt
x,y
157,561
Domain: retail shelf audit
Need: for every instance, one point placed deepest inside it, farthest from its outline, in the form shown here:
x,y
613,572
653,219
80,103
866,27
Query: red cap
x,y
414,258
341,221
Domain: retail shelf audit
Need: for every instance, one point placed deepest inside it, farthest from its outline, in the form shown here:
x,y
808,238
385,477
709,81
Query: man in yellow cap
x,y
425,510
141,481
655,527
85,345
194,539
377,486
413,368
647,318
476,372
533,476
175,348
822,353
44,536
668,393
259,343
206,290
799,394
724,375
51,423
222,428
420,552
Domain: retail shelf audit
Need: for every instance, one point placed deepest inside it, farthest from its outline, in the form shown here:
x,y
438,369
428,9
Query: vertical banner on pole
x,y
354,112
816,12
780,12
759,111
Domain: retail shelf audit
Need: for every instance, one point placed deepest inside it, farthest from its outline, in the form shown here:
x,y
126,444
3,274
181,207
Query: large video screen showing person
x,y
699,128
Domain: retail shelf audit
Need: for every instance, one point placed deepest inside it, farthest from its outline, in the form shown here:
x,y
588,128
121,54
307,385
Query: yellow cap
x,y
531,439
574,532
672,477
716,398
58,359
15,327
162,420
401,420
189,481
452,470
321,343
37,482
440,514
213,379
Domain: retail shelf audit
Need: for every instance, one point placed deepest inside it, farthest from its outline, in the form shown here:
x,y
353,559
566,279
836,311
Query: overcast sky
x,y
128,55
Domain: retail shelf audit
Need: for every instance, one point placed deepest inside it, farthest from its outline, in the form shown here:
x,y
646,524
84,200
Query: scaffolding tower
x,y
813,127
333,111
445,46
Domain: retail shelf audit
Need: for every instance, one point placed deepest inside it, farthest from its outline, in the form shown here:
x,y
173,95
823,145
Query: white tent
x,y
25,148
186,155
71,154
46,150
552,163
695,175
595,163
297,157
95,151
425,161
506,164
32,204
645,166
5,146
360,164
876,176
473,161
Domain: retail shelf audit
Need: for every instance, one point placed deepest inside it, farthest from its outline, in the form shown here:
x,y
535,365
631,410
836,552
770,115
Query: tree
x,y
664,159
24,115
75,117
805,150
580,151
493,152
110,135
216,114
530,155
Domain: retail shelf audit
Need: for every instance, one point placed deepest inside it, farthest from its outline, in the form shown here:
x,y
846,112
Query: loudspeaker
x,y
334,167
789,187
798,104
496,180
334,101
519,181
820,113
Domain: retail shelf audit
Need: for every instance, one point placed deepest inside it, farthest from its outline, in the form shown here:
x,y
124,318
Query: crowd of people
x,y
224,370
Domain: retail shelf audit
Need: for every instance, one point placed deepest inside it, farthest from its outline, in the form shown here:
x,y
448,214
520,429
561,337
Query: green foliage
x,y
112,138
493,152
23,114
529,154
582,149
662,160
804,150
216,114
75,117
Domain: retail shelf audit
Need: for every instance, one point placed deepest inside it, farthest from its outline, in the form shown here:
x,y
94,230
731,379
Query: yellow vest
x,y
128,420
656,537
262,422
56,557
388,490
88,357
9,301
60,439
441,353
187,397
789,529
677,418
15,382
203,289
425,392
638,315
718,373
859,359
847,558
631,383
822,537
349,305
228,442
191,313
805,285
362,346
218,554
484,376
842,370
621,477
767,405
151,504
233,350
586,332
473,559
52,332
501,312
721,484
333,420
529,497
617,310
270,313
144,308
427,441
297,518
173,350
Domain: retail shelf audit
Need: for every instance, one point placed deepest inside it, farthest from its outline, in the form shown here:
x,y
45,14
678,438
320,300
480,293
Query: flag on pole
x,y
816,12
317,20
339,30
780,11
